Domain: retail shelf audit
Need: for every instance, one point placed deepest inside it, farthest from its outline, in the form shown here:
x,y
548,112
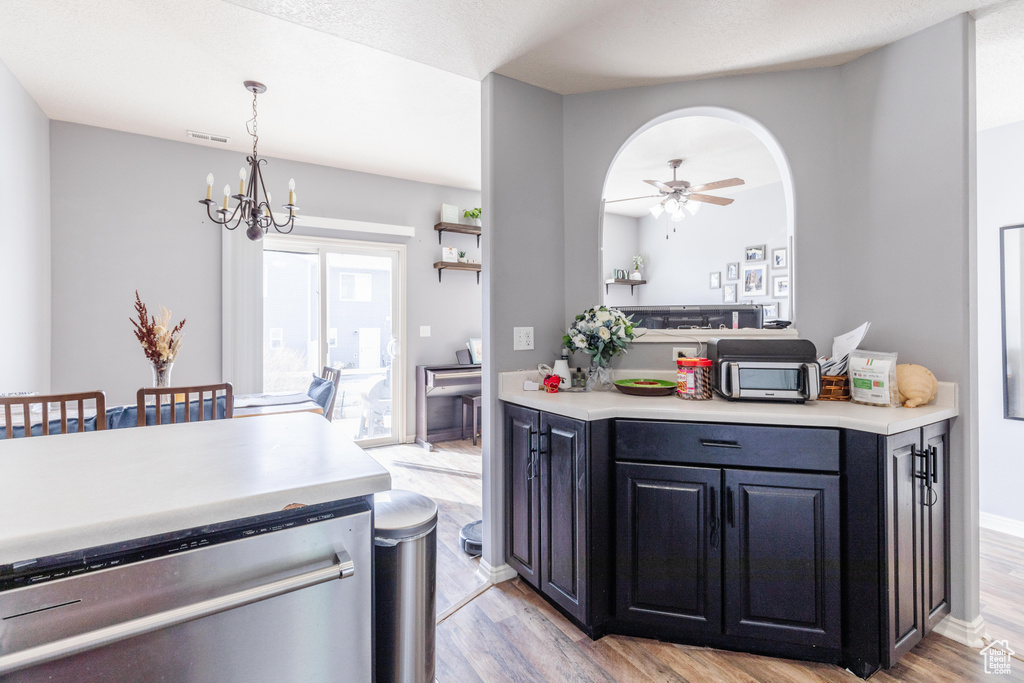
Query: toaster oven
x,y
765,369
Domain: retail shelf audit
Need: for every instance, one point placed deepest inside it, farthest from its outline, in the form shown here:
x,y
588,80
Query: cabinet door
x,y
668,543
935,526
563,508
522,522
903,541
782,569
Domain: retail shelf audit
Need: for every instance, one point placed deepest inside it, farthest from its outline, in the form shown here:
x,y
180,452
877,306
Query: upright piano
x,y
433,381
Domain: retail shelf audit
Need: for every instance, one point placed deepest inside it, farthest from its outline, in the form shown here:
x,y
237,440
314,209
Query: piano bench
x,y
471,401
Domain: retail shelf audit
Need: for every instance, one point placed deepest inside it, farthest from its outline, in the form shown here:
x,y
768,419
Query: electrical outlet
x,y
685,351
424,330
522,338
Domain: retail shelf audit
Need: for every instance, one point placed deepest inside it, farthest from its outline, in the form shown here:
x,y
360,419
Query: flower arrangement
x,y
601,332
638,262
160,342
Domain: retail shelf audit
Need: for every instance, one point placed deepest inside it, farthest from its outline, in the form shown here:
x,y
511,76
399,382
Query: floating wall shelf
x,y
631,283
458,227
454,265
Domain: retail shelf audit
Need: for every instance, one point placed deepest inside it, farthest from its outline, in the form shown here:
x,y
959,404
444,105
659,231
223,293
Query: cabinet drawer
x,y
791,448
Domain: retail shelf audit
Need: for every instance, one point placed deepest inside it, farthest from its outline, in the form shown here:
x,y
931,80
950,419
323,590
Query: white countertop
x,y
603,405
73,491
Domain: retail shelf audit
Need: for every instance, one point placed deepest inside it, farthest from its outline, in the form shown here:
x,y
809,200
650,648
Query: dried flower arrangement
x,y
159,342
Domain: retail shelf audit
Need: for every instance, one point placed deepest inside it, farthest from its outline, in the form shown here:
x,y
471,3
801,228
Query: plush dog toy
x,y
916,384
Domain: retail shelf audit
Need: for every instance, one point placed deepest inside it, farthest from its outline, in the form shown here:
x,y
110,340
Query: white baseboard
x,y
969,633
491,575
1001,524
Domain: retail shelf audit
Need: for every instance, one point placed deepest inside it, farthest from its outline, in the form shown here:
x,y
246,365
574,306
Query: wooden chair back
x,y
195,393
334,375
63,400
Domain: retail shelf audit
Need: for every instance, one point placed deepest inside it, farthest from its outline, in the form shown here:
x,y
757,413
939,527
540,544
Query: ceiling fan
x,y
677,194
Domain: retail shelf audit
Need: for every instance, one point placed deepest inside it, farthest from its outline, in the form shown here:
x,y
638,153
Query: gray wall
x,y
522,181
1000,203
908,228
907,136
24,239
125,216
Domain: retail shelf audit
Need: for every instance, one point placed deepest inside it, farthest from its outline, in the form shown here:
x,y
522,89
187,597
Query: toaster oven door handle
x,y
729,378
812,386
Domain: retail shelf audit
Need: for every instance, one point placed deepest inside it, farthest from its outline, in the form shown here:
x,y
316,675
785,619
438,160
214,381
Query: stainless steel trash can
x,y
405,586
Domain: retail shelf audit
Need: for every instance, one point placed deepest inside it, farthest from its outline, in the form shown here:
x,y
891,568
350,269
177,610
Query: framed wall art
x,y
754,253
754,281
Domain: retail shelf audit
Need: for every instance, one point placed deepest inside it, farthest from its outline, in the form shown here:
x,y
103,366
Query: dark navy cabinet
x,y
813,543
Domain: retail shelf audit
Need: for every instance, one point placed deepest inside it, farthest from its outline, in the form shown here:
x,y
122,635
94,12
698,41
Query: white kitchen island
x,y
167,553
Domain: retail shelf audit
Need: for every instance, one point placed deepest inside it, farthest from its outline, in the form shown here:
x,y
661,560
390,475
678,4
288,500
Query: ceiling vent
x,y
209,137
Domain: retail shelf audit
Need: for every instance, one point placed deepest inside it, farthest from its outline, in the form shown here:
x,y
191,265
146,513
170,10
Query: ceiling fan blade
x,y
717,185
710,199
660,185
629,199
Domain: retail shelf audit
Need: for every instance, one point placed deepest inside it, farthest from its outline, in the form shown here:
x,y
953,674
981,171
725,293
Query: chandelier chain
x,y
253,130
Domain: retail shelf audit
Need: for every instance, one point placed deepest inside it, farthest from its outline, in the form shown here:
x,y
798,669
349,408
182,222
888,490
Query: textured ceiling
x,y
392,86
1000,64
160,68
711,149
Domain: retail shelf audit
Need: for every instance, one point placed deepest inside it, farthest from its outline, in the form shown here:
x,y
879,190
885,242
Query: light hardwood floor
x,y
509,633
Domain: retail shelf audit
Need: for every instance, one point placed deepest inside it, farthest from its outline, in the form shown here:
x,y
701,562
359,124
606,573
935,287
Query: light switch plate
x,y
522,338
424,330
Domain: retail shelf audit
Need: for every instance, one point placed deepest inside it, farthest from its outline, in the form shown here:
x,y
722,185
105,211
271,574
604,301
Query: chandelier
x,y
250,210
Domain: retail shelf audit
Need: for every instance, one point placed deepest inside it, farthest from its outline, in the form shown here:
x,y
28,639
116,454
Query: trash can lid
x,y
399,514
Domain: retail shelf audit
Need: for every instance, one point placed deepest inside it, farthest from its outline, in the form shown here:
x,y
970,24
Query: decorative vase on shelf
x,y
599,377
635,275
162,374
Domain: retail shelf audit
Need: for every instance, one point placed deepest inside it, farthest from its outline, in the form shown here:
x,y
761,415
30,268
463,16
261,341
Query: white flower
x,y
580,341
604,315
604,333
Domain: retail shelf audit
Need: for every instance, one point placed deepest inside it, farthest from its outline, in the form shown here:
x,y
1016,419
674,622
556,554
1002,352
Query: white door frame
x,y
324,245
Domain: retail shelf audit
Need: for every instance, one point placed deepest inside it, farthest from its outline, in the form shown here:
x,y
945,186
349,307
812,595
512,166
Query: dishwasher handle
x,y
342,568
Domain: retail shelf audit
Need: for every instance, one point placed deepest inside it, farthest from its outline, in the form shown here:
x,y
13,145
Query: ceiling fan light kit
x,y
250,210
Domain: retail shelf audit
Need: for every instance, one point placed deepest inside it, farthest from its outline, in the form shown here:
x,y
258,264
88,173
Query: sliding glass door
x,y
337,303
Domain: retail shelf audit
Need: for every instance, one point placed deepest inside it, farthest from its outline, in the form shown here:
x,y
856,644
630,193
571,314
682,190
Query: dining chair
x,y
334,375
199,393
77,420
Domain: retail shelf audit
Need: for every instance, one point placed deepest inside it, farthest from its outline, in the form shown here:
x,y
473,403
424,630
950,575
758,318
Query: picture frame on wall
x,y
770,311
753,282
780,287
449,254
715,280
754,253
729,294
779,258
732,271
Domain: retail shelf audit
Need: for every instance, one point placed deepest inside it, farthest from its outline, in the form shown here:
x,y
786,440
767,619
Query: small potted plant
x,y
472,215
638,263
462,257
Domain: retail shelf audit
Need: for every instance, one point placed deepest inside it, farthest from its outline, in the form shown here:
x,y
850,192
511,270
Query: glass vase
x,y
599,377
162,374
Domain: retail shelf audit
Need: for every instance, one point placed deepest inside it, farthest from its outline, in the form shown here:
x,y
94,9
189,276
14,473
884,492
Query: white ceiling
x,y
711,149
392,86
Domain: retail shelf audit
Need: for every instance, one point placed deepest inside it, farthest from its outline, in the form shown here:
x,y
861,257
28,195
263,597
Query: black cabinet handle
x,y
714,517
729,506
712,443
919,454
935,464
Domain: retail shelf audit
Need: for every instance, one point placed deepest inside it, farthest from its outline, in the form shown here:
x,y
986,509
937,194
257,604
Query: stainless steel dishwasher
x,y
282,597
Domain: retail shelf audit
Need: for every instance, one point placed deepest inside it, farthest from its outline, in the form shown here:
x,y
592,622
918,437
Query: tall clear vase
x,y
162,374
599,377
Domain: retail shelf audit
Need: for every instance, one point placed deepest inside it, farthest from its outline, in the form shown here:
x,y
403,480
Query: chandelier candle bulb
x,y
209,186
291,191
241,182
227,193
